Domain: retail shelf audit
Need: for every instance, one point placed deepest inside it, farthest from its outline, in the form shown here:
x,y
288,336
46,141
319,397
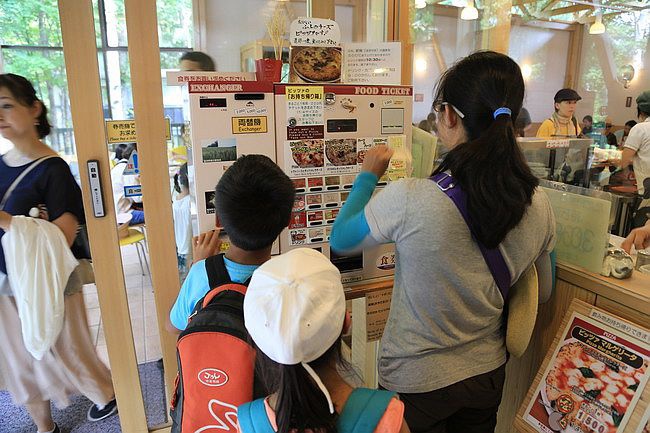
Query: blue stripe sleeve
x,y
351,227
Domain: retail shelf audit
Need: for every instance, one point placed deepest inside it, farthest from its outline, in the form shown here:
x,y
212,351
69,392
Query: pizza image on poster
x,y
592,382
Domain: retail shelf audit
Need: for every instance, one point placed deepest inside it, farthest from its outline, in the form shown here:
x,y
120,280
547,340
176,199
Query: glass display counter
x,y
563,160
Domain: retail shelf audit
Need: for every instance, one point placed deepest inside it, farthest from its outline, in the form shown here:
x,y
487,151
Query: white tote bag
x,y
39,264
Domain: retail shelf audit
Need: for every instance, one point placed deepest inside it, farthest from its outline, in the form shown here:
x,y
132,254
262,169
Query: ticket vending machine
x,y
322,133
229,119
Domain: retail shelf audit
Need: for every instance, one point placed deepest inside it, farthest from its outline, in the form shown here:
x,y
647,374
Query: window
x,y
31,45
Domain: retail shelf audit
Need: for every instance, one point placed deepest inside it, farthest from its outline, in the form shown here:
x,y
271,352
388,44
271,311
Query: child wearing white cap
x,y
294,310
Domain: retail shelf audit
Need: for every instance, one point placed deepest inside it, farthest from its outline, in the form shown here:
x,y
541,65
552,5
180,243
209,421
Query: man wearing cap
x,y
636,151
562,123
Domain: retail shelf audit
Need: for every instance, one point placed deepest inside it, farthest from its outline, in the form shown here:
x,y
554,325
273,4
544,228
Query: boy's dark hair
x,y
489,166
253,202
21,89
589,118
205,62
631,123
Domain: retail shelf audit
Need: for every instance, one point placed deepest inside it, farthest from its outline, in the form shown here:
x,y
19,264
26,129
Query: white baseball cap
x,y
294,308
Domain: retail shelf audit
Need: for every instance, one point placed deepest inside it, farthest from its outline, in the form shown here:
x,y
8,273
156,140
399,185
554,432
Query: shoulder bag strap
x,y
252,418
492,256
217,272
363,410
20,177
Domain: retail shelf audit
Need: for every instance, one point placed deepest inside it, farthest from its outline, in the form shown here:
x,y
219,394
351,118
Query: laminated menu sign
x,y
377,309
593,380
305,112
581,228
399,162
378,63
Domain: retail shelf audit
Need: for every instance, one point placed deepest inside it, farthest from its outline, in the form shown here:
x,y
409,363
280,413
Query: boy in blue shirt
x,y
254,199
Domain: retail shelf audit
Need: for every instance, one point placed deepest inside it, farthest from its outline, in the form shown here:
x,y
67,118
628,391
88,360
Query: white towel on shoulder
x,y
39,264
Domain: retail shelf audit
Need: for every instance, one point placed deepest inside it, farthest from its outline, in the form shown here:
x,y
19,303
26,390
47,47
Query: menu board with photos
x,y
593,380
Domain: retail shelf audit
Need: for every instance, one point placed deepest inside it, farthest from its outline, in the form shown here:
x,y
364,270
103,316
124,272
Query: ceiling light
x,y
469,12
419,4
526,71
597,28
420,64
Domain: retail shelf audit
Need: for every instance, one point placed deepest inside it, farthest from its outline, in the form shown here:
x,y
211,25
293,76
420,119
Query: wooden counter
x,y
629,299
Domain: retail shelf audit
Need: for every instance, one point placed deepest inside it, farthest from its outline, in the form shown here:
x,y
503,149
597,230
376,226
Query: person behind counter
x,y
636,151
523,123
294,311
71,366
610,137
563,122
587,125
626,131
196,61
443,348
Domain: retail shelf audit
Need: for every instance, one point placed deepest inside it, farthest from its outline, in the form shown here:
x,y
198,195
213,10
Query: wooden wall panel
x,y
78,31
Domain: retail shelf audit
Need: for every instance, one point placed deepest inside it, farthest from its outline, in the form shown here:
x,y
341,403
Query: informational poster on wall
x,y
315,54
378,63
594,378
377,309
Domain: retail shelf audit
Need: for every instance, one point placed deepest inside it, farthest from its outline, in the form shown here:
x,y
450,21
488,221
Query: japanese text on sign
x,y
316,32
372,63
305,105
123,131
249,125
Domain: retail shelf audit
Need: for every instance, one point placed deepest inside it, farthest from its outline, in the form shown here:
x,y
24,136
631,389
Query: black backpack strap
x,y
217,272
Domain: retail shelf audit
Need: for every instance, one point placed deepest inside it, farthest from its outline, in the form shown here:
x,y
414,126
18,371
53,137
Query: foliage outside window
x,y
31,45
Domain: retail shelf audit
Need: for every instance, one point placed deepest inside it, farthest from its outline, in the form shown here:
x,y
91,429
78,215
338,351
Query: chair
x,y
137,238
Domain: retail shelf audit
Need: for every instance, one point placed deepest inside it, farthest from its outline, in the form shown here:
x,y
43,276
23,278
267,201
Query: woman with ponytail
x,y
35,182
443,348
294,310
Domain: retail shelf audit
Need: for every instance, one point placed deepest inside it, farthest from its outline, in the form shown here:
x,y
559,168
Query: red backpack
x,y
215,362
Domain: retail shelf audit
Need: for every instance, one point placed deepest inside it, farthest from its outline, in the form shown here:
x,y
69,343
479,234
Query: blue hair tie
x,y
502,110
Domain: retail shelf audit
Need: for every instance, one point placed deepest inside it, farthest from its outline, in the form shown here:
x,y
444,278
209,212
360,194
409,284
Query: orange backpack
x,y
215,362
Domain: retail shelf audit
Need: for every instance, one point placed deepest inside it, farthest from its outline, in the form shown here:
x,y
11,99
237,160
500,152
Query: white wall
x,y
456,39
545,52
230,25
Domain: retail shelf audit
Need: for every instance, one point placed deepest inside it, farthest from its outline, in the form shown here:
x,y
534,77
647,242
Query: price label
x,y
556,144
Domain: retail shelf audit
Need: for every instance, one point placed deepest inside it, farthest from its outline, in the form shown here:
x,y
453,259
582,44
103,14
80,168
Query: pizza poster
x,y
592,382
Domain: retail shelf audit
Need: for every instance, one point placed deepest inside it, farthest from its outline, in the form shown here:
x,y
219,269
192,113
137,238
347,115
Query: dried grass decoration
x,y
276,26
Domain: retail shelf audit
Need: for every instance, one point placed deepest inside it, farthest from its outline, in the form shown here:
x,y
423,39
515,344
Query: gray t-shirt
x,y
445,320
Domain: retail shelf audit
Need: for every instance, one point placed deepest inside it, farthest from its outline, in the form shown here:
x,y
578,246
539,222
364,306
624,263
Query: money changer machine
x,y
229,119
